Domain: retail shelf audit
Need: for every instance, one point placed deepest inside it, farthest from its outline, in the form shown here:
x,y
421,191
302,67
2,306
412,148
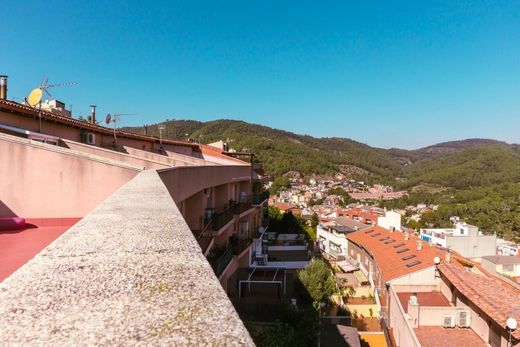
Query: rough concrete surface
x,y
129,273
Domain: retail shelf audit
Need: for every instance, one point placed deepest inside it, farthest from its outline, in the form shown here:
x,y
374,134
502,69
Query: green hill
x,y
457,164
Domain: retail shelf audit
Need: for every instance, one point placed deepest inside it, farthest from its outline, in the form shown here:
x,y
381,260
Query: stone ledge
x,y
129,273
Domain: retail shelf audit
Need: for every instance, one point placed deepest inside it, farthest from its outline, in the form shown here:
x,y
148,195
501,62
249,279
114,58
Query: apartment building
x,y
466,307
143,231
463,238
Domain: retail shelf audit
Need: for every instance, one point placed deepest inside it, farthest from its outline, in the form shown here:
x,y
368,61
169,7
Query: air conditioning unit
x,y
464,320
88,138
448,321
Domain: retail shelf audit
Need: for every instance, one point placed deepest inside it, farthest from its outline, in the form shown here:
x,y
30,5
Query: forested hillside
x,y
458,164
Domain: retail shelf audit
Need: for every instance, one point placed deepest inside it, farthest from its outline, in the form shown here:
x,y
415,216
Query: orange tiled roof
x,y
216,152
390,262
27,111
496,298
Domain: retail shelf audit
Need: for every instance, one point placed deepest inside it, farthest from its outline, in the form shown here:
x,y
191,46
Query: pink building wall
x,y
142,163
39,181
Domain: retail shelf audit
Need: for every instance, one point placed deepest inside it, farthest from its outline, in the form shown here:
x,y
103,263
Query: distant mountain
x,y
458,164
455,146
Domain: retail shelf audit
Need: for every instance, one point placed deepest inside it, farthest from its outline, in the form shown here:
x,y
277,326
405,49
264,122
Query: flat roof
x,y
18,247
429,299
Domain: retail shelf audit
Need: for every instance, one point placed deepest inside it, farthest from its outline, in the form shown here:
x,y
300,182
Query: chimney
x,y
3,87
93,114
419,245
406,236
146,129
447,257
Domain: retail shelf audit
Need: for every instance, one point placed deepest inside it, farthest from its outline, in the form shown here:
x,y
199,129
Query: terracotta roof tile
x,y
28,111
496,298
391,263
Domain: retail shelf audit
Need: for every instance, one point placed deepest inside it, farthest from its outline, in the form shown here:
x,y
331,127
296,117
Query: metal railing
x,y
240,245
222,260
260,198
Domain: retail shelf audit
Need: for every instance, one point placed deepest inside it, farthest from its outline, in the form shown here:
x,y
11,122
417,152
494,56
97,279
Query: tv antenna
x,y
114,119
35,97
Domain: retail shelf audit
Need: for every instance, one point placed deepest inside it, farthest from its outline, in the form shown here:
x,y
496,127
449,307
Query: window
x,y
413,264
352,252
408,257
376,234
389,241
402,250
508,267
399,245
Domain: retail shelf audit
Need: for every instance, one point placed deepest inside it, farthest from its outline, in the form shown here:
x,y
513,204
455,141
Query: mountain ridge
x,y
281,151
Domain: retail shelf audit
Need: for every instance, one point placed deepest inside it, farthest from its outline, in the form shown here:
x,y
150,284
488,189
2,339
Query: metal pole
x,y
40,117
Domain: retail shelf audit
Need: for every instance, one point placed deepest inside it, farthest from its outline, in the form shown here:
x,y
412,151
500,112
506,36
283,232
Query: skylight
x,y
369,231
413,263
408,257
399,245
376,234
384,238
389,241
403,250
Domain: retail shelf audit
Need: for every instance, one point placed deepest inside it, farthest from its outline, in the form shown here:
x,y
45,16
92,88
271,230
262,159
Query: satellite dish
x,y
35,97
261,230
108,118
36,94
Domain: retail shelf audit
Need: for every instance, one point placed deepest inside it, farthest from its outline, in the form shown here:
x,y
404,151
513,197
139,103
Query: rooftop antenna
x,y
35,96
114,118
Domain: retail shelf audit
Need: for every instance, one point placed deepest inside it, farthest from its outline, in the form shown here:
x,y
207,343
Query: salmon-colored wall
x,y
69,132
38,182
181,183
113,155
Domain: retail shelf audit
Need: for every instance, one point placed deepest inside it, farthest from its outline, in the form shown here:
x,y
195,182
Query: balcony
x,y
220,258
240,245
260,198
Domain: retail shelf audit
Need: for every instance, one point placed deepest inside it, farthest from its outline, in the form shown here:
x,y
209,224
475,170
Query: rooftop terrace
x,y
129,272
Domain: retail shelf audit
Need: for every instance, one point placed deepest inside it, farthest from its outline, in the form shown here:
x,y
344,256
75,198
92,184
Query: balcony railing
x,y
222,218
240,245
259,198
221,260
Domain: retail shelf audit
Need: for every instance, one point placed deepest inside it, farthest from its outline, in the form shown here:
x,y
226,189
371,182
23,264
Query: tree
x,y
318,280
315,220
280,183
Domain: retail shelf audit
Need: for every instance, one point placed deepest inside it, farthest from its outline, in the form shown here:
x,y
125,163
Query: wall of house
x,y
118,156
182,182
331,237
401,328
36,180
390,220
422,277
473,245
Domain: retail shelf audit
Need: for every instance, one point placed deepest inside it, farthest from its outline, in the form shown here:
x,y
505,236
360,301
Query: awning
x,y
360,276
346,266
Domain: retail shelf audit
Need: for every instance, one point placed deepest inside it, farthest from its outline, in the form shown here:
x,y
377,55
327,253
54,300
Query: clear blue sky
x,y
390,74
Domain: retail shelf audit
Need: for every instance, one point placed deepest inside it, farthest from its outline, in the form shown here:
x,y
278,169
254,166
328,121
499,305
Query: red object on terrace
x,y
12,223
18,247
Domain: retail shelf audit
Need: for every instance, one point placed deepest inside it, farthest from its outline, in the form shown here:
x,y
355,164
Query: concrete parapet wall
x,y
130,272
39,180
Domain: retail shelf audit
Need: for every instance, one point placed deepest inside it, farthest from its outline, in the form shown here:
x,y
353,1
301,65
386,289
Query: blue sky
x,y
390,74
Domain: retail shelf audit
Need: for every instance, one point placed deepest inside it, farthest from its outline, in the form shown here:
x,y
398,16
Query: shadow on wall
x,y
5,211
